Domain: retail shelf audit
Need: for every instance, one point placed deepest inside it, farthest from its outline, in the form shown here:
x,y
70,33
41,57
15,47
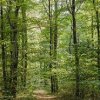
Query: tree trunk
x,y
98,51
53,50
24,44
55,45
76,51
98,39
13,20
3,52
51,44
92,30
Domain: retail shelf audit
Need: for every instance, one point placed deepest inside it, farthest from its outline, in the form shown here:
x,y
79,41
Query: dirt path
x,y
43,95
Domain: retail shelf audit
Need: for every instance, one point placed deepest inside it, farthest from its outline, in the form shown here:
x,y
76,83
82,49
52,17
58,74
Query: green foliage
x,y
38,46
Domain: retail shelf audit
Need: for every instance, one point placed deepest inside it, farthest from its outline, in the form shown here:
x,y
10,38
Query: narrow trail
x,y
37,95
43,95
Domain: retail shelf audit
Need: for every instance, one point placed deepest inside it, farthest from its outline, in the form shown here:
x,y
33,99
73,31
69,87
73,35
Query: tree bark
x,y
98,51
53,48
98,39
51,44
76,51
13,20
3,46
55,44
24,44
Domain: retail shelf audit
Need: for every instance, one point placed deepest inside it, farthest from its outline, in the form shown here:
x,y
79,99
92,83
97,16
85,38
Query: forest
x,y
49,50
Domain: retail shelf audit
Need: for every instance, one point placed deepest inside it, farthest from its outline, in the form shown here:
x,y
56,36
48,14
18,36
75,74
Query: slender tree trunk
x,y
70,44
24,44
92,30
98,36
55,44
51,44
53,50
14,62
76,51
13,20
3,52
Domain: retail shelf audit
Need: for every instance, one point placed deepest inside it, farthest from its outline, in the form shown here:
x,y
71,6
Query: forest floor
x,y
43,95
37,95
